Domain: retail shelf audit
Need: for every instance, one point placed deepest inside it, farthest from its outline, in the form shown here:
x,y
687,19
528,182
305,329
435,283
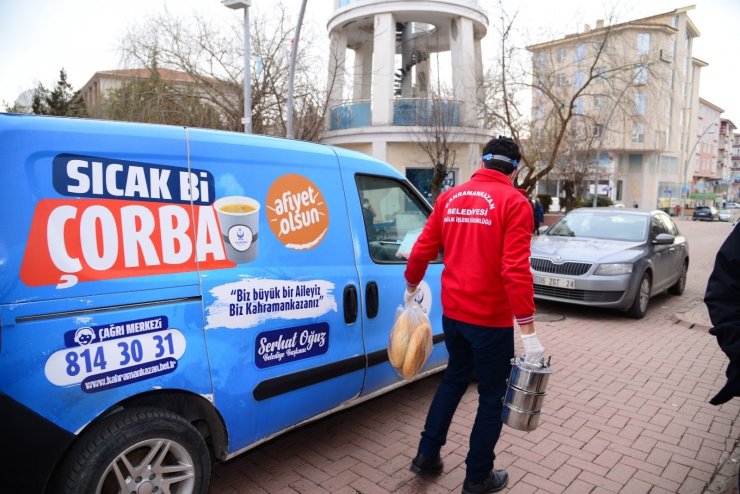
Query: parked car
x,y
705,213
724,215
605,257
732,205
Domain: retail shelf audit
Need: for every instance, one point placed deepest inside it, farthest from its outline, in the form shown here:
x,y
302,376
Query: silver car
x,y
607,257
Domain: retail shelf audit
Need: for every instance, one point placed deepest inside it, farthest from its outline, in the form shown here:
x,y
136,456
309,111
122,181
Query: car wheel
x,y
138,450
640,304
678,287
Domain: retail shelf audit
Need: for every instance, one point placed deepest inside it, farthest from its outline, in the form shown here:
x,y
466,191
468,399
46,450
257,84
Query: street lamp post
x,y
245,4
291,71
684,178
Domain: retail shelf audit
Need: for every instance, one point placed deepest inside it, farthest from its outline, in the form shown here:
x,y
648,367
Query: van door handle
x,y
371,299
350,304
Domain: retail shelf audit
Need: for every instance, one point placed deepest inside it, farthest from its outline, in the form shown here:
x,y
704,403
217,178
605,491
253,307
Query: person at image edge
x,y
484,228
722,299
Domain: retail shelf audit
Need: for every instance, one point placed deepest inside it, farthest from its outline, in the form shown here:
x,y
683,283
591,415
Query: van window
x,y
394,217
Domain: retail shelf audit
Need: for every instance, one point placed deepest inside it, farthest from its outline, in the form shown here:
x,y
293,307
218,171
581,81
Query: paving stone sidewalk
x,y
725,479
627,412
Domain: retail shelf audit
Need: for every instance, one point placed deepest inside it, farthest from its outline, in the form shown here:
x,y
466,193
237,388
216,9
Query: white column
x,y
337,71
380,150
383,58
480,93
363,71
464,67
406,56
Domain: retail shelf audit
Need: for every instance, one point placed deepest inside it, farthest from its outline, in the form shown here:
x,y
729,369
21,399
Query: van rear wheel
x,y
139,450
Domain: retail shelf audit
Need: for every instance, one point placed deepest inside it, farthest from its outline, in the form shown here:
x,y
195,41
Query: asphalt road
x,y
626,412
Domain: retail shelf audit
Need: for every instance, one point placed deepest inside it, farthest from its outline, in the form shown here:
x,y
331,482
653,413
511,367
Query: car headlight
x,y
613,269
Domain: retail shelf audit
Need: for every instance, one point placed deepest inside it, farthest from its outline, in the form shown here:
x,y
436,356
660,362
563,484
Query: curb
x,y
685,322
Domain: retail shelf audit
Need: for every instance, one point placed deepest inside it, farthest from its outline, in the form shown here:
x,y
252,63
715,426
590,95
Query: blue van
x,y
170,295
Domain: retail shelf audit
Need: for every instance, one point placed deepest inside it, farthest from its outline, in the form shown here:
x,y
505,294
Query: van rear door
x,y
98,274
281,323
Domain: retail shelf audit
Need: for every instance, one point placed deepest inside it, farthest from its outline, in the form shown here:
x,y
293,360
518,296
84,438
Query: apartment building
x,y
704,181
103,82
725,174
633,90
733,193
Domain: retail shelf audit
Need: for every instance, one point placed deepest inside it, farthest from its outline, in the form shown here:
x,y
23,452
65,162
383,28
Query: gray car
x,y
608,257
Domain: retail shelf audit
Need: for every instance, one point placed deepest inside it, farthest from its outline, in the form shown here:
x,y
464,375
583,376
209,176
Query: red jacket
x,y
485,228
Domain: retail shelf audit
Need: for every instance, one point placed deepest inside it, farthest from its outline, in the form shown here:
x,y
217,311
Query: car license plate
x,y
556,282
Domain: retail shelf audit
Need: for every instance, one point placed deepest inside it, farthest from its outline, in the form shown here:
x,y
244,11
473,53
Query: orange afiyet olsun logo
x,y
296,212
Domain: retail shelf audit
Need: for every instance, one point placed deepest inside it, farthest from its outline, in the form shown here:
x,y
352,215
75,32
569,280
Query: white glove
x,y
533,349
409,296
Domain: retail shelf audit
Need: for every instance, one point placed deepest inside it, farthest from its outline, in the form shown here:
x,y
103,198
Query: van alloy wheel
x,y
139,450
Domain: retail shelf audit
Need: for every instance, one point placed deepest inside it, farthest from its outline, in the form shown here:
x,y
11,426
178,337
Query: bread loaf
x,y
400,335
410,343
419,347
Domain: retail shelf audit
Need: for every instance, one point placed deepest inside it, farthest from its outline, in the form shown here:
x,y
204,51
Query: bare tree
x,y
153,99
573,105
437,119
212,55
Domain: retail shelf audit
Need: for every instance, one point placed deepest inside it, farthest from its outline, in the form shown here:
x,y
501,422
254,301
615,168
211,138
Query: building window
x,y
674,21
562,54
580,52
578,106
599,102
597,130
640,103
578,80
561,80
638,133
541,60
643,44
539,112
422,180
641,75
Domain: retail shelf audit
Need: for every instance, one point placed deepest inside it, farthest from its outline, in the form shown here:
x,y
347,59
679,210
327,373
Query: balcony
x,y
350,115
344,3
420,112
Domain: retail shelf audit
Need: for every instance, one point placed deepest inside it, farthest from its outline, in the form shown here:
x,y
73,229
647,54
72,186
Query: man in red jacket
x,y
484,228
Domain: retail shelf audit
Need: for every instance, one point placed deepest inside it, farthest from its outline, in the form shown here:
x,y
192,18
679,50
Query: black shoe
x,y
496,481
426,465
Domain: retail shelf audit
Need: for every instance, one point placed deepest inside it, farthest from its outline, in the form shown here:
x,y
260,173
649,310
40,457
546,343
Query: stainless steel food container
x,y
529,377
520,419
523,400
525,394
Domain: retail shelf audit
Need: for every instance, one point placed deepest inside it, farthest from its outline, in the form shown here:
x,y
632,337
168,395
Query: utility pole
x,y
291,71
245,4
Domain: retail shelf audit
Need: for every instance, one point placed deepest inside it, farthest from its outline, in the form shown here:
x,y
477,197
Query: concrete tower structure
x,y
391,98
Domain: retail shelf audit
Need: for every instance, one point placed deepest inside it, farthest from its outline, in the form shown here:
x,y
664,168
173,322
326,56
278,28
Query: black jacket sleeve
x,y
723,302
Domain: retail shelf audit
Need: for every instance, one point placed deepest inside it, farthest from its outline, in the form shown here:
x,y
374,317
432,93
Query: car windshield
x,y
611,226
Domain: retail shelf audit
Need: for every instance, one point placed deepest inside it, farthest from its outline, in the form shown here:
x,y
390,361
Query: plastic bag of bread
x,y
410,341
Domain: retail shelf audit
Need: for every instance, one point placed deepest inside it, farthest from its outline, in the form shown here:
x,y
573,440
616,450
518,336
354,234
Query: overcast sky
x,y
40,37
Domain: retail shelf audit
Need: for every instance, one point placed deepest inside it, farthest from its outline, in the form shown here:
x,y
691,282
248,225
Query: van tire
x,y
133,435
